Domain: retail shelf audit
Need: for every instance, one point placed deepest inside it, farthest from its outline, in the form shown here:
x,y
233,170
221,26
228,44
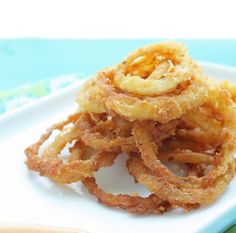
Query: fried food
x,y
158,94
157,106
133,204
223,115
155,69
75,169
110,134
179,197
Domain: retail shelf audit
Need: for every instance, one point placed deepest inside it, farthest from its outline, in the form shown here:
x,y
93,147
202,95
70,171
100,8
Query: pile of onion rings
x,y
159,108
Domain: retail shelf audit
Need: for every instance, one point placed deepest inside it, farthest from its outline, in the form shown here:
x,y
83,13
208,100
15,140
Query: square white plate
x,y
27,198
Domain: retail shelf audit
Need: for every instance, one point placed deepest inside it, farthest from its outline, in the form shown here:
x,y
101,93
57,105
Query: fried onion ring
x,y
118,134
99,95
177,126
127,89
154,69
133,204
222,160
90,134
53,167
179,196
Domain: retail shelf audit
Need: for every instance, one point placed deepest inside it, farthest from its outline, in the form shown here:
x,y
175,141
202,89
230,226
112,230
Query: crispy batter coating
x,y
157,106
157,82
133,204
75,169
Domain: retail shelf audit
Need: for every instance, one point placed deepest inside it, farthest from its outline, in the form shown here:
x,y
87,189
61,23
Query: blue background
x,y
29,60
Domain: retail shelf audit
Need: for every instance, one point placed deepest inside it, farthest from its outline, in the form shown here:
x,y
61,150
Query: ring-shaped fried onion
x,y
119,136
133,204
179,196
158,107
90,134
161,70
100,95
223,158
52,166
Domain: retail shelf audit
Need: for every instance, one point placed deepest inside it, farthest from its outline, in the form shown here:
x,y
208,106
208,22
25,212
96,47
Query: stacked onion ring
x,y
159,108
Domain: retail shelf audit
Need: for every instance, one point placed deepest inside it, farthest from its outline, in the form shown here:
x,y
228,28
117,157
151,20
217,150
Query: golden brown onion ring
x,y
100,95
163,188
115,134
223,159
143,61
133,204
53,167
154,69
91,135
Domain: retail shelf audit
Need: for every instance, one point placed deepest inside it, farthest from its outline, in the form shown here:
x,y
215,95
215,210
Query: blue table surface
x,y
30,60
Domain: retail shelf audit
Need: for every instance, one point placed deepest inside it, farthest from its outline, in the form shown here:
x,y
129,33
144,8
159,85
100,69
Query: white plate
x,y
27,198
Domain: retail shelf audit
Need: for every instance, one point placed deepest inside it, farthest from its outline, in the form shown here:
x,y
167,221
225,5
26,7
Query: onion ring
x,y
223,159
120,138
99,95
163,188
53,167
157,106
154,69
133,204
120,89
91,136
